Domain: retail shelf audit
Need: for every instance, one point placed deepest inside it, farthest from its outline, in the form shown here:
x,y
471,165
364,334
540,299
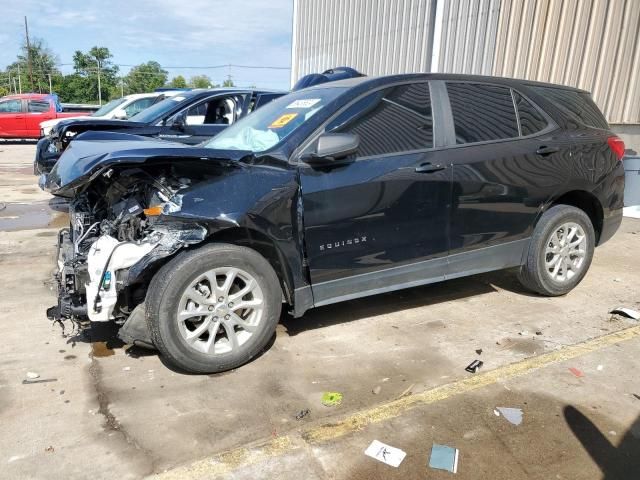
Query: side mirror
x,y
331,148
180,121
120,115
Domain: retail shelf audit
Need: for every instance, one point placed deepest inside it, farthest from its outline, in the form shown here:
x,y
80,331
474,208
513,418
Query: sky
x,y
176,34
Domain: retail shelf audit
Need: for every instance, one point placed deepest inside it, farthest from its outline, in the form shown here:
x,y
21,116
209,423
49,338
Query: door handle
x,y
544,150
429,167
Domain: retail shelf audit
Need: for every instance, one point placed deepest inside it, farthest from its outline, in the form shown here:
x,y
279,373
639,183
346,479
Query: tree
x,y
146,77
83,84
43,64
228,82
178,82
200,81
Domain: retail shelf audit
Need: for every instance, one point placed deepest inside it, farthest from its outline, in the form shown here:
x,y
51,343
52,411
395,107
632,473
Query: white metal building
x,y
591,44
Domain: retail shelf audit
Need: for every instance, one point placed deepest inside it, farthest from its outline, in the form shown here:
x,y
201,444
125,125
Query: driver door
x,y
379,221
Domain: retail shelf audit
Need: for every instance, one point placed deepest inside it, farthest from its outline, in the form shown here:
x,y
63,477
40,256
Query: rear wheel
x,y
560,251
214,308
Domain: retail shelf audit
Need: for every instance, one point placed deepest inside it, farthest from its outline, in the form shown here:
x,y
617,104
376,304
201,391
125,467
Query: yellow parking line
x,y
221,465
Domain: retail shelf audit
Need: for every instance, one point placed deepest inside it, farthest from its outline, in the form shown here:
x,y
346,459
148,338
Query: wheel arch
x,y
265,246
588,203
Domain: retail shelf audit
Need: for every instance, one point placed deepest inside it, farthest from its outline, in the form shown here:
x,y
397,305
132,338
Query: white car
x,y
119,108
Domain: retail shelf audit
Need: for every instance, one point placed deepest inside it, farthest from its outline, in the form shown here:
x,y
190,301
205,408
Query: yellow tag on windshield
x,y
283,120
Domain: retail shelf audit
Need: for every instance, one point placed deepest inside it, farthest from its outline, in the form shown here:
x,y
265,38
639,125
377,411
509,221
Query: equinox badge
x,y
343,243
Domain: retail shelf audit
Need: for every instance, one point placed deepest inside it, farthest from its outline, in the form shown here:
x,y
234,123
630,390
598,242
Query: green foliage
x,y
43,64
82,86
228,83
178,82
200,81
145,77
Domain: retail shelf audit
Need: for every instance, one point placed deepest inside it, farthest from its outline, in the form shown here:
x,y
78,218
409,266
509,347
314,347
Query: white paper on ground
x,y
632,212
385,453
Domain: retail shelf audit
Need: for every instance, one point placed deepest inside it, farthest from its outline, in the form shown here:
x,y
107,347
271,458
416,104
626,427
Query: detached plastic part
x,y
135,331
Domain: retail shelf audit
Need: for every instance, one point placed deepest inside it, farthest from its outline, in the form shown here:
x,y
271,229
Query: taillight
x,y
617,146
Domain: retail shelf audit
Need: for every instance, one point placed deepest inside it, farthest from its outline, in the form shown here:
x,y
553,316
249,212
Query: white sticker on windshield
x,y
308,103
177,99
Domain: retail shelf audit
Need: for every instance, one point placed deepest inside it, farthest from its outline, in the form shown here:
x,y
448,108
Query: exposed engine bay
x,y
116,238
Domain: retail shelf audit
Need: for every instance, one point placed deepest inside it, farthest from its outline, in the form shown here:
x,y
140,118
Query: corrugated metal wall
x,y
591,44
377,37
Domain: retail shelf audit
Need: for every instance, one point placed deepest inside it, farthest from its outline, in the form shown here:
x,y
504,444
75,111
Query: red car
x,y
20,115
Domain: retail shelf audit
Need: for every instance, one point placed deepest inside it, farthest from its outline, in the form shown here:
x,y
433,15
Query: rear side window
x,y
393,120
36,106
482,112
531,120
577,107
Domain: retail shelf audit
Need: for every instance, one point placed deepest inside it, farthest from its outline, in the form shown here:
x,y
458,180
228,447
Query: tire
x,y
536,274
181,286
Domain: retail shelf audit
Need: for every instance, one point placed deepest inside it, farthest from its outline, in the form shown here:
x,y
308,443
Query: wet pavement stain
x,y
24,216
100,349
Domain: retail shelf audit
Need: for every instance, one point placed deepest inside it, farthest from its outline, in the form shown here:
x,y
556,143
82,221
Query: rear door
x,y
378,222
12,118
37,111
508,160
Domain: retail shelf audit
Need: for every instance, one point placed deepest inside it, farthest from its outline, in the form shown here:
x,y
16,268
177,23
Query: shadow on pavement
x,y
619,463
397,301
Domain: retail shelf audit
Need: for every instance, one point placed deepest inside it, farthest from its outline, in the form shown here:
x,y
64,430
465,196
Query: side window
x,y
482,112
531,120
11,106
577,106
219,111
35,106
138,106
393,120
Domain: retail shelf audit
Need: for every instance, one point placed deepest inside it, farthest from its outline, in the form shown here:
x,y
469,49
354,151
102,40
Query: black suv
x,y
189,117
330,193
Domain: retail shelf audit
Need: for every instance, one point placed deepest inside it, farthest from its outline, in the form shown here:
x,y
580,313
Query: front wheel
x,y
214,308
560,251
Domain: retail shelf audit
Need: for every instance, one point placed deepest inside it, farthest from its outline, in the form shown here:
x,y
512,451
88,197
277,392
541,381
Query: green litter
x,y
331,399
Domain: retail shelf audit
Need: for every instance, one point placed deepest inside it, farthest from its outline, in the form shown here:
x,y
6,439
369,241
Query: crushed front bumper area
x,y
97,286
70,279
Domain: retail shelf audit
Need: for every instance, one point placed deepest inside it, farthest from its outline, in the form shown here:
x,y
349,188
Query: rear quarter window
x,y
577,107
37,106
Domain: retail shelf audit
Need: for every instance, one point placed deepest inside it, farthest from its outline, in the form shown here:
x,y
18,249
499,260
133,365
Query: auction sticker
x,y
283,120
308,103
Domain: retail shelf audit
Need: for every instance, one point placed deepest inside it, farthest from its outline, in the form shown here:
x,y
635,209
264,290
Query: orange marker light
x,y
153,211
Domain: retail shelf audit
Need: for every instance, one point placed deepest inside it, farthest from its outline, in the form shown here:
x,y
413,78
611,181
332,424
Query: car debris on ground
x,y
385,453
576,372
626,312
303,413
474,366
331,399
444,457
512,415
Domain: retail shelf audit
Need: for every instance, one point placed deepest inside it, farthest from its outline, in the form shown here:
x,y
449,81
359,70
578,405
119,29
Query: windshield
x,y
107,107
157,111
271,124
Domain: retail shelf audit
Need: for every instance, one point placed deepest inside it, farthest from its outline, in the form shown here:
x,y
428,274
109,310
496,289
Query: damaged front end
x,y
120,233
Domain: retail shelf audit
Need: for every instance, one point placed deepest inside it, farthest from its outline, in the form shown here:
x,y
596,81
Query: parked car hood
x,y
91,153
55,121
101,123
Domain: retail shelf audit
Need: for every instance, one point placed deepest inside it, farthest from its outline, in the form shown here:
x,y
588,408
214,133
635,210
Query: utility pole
x,y
26,30
50,89
99,88
122,87
19,79
15,89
